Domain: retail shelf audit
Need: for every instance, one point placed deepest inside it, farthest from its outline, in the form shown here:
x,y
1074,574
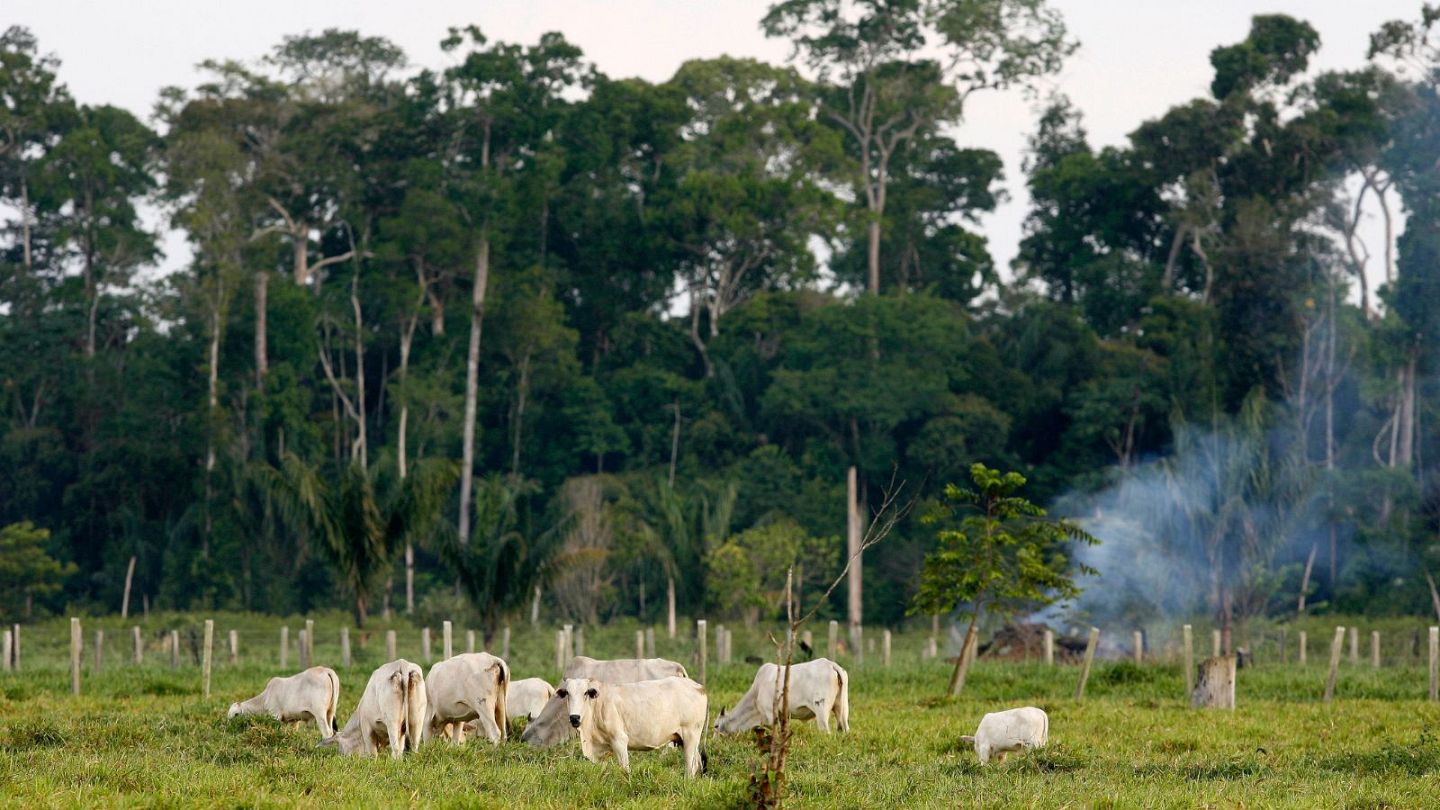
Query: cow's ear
x,y
967,738
591,693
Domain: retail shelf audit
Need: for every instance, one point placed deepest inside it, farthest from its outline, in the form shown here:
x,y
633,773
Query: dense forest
x,y
523,334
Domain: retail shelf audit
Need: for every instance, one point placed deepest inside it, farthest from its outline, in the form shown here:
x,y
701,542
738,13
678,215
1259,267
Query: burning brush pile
x,y
1026,642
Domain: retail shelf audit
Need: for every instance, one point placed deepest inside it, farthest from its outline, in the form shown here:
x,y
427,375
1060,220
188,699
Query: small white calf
x,y
623,670
470,686
527,698
310,695
817,688
617,718
1000,733
391,713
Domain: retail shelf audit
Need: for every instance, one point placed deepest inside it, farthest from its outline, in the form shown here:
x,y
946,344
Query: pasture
x,y
144,735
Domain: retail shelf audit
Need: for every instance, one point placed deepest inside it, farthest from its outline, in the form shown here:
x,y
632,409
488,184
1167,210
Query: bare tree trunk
x,y
361,450
674,441
1305,579
212,400
129,578
472,377
262,353
522,392
962,663
25,225
853,552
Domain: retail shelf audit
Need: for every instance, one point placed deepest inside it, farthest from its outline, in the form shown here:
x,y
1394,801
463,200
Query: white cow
x,y
390,713
310,695
470,686
550,727
1000,733
623,670
617,718
527,698
817,688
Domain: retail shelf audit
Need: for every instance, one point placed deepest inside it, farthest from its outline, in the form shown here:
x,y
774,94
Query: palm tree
x,y
358,529
500,565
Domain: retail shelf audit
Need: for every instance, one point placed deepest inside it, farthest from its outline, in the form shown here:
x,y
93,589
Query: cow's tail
x,y
842,700
414,694
333,707
502,688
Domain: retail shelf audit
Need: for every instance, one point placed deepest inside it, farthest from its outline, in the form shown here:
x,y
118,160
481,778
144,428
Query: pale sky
x,y
1137,57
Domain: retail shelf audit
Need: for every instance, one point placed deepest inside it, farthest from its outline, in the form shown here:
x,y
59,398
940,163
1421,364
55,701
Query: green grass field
x,y
145,735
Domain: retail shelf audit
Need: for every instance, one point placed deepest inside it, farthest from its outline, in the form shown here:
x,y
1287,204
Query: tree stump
x,y
1215,684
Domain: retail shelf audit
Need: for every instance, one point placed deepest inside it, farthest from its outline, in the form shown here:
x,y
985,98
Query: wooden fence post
x,y
344,646
1049,647
1089,657
650,642
15,646
1139,642
932,648
174,649
75,644
569,650
469,641
1304,643
579,641
808,640
5,649
1435,663
309,643
1215,644
1188,641
99,650
425,644
700,634
1336,648
1375,649
389,645
139,644
832,641
505,642
1354,645
303,642
445,640
560,650
639,643
205,654
234,647
885,647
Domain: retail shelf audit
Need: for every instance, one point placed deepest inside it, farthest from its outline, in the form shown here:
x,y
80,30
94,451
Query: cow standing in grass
x,y
310,695
391,713
1001,733
817,689
471,686
617,718
550,726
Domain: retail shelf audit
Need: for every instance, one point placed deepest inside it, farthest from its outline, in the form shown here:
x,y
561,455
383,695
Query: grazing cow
x,y
817,688
617,718
310,695
470,686
623,670
1011,730
527,698
391,713
549,727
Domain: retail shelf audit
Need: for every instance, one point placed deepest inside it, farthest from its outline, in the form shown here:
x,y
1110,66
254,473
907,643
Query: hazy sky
x,y
1137,57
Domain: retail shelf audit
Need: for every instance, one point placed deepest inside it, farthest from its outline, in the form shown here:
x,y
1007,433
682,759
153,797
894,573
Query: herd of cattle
x,y
614,707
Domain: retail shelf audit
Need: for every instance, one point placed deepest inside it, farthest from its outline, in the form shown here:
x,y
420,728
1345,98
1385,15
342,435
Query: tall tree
x,y
882,91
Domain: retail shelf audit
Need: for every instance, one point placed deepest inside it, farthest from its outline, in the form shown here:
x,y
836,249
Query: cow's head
x,y
234,711
981,749
578,693
346,744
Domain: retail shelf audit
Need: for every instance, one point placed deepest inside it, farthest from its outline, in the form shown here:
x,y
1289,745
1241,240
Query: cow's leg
x,y
822,716
325,730
397,731
620,747
690,744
